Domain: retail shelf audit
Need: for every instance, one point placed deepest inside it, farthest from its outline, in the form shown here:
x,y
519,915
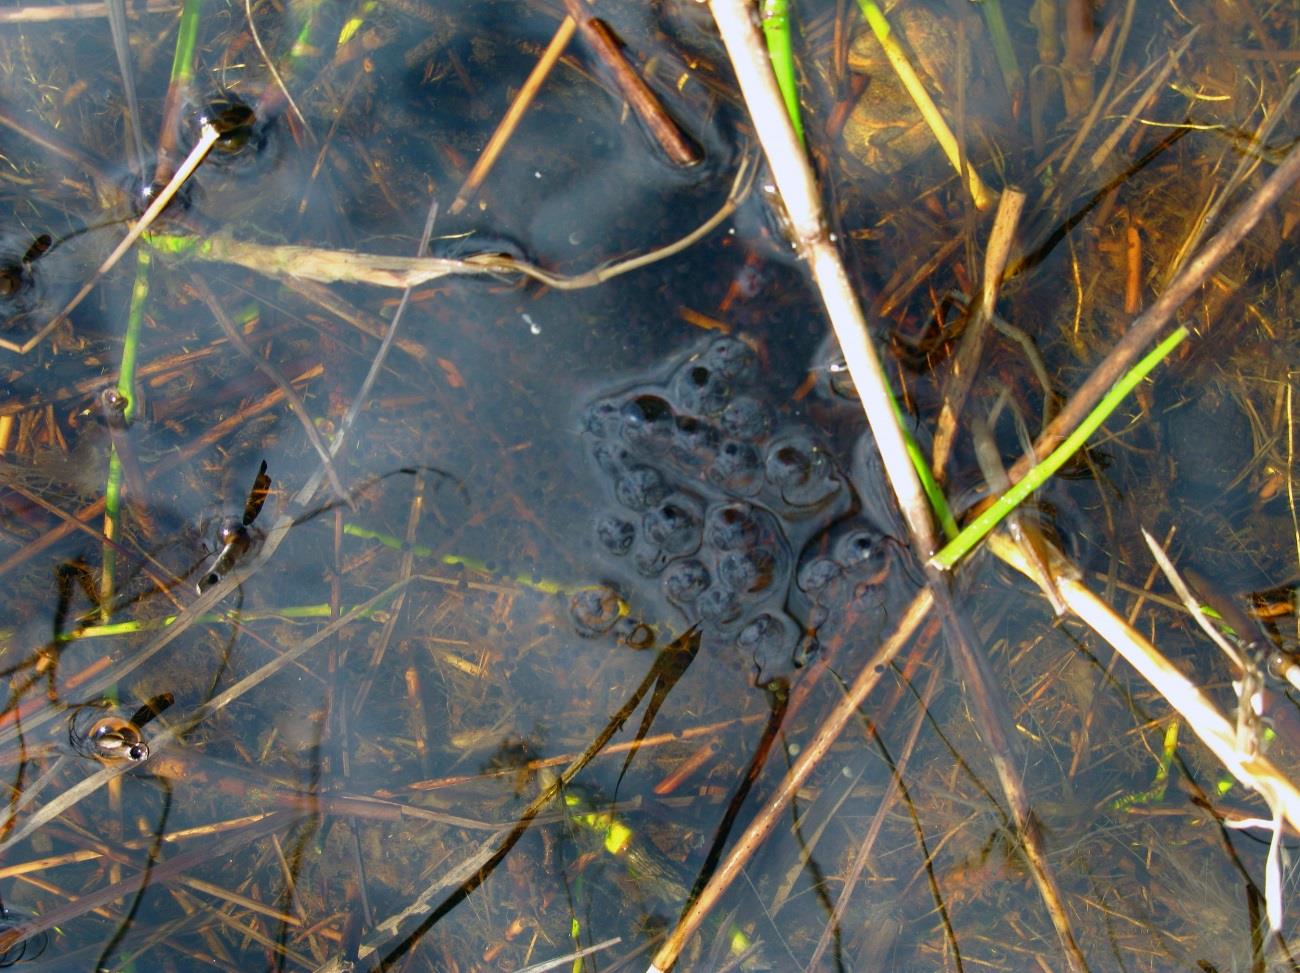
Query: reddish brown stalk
x,y
1076,66
672,141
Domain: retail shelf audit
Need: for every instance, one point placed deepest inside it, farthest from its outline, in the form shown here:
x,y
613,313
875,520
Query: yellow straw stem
x,y
981,195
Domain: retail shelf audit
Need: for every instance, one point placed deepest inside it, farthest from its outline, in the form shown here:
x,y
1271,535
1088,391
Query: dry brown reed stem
x,y
734,861
1076,69
794,181
798,190
162,872
883,809
995,725
708,731
1116,59
1256,772
510,121
301,264
965,364
674,143
43,13
1147,326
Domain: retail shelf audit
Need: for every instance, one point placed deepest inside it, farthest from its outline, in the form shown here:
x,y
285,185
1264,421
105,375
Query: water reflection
x,y
634,525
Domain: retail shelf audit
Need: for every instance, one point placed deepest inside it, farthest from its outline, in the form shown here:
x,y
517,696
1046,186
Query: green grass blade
x,y
976,530
125,386
187,36
1003,50
776,29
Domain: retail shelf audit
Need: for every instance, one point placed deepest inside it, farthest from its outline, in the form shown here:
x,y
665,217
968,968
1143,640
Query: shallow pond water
x,y
645,512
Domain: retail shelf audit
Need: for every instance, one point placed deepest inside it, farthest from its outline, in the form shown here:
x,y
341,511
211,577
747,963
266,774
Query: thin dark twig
x,y
270,371
124,927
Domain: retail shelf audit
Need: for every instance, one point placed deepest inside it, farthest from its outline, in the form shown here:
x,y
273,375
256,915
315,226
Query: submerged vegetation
x,y
441,532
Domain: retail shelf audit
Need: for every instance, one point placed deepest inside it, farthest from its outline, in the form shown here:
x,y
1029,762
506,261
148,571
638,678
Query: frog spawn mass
x,y
716,497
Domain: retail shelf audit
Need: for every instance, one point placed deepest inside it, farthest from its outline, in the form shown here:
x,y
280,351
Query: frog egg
x,y
699,390
648,422
807,647
746,418
602,418
594,610
685,580
732,527
770,640
817,574
649,559
801,470
747,572
615,534
612,460
737,468
861,552
675,525
695,443
640,488
718,607
732,359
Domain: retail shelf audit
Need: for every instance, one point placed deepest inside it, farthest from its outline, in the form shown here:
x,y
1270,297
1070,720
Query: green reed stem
x,y
776,29
976,530
187,38
308,43
292,613
126,387
933,492
1003,50
352,26
543,585
134,323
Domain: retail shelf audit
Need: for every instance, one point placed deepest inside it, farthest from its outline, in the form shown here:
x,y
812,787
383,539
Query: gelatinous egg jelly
x,y
735,511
